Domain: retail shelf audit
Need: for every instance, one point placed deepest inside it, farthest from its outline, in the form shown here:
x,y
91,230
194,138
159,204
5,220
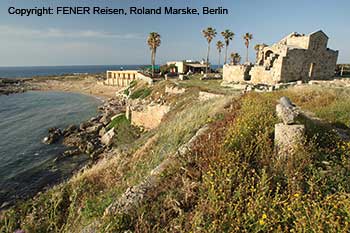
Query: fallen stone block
x,y
107,139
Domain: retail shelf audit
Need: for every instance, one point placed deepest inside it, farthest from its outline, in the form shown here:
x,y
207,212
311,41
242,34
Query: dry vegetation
x,y
230,181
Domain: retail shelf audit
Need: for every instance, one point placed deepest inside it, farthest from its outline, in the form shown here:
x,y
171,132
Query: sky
x,y
121,40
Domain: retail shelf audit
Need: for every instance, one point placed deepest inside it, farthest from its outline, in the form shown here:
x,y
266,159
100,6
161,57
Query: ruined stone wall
x,y
148,117
260,75
295,58
236,73
308,65
293,66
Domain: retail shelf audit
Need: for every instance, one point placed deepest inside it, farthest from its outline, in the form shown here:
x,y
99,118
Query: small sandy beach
x,y
85,84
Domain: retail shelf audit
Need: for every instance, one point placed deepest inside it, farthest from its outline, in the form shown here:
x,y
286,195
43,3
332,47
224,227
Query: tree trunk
x,y
226,54
207,66
219,59
153,61
247,56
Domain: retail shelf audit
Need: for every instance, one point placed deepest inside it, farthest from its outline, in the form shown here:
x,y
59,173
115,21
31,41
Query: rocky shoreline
x,y
91,137
12,86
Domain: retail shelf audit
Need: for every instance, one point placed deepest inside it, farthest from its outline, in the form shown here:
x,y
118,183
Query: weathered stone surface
x,y
107,139
288,138
148,116
236,73
102,131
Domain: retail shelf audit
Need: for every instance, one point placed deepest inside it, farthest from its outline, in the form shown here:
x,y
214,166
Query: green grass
x,y
141,93
119,120
125,133
232,181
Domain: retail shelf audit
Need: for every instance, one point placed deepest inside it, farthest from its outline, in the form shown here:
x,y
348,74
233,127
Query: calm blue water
x,y
27,72
26,165
24,72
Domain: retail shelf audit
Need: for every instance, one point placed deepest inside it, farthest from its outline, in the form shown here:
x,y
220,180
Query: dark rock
x,y
72,152
90,147
97,152
85,125
54,135
95,128
69,130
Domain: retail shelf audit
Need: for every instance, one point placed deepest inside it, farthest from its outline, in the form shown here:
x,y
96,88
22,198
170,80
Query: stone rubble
x,y
288,134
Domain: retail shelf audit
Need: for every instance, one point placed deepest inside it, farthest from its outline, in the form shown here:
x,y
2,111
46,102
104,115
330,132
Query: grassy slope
x,y
230,182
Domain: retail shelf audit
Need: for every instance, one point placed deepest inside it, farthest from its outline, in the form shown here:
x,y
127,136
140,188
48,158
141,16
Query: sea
x,y
33,71
26,164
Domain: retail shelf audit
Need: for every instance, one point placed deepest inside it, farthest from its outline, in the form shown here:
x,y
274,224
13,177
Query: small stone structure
x,y
146,116
296,57
288,134
123,78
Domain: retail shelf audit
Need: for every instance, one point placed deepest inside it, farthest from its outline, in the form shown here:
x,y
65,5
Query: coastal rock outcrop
x,y
54,135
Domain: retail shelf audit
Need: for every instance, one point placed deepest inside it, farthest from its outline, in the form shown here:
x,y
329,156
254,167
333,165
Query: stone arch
x,y
268,53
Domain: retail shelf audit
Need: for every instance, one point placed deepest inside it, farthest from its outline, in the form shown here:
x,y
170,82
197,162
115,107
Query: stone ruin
x,y
295,58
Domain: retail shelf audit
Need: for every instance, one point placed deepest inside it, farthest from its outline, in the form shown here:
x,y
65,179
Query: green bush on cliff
x,y
141,93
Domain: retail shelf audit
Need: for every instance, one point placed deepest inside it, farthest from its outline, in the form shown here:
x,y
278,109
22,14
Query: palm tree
x,y
153,42
219,46
247,37
235,58
228,35
209,34
257,48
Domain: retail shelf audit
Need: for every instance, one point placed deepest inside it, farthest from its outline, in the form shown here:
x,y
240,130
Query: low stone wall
x,y
149,116
204,96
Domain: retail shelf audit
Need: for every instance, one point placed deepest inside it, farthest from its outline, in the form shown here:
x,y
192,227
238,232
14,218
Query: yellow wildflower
x,y
261,222
264,216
